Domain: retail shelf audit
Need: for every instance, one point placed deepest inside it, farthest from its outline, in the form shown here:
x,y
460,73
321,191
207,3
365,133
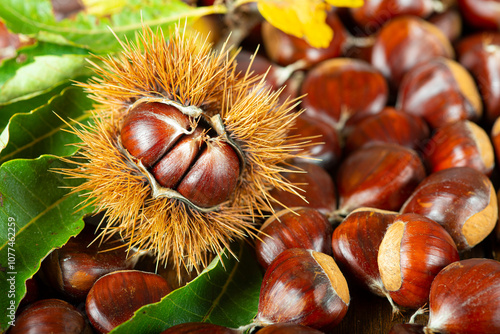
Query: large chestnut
x,y
461,199
303,287
441,91
465,298
382,176
404,42
302,227
115,297
354,89
50,316
355,244
460,144
414,249
482,14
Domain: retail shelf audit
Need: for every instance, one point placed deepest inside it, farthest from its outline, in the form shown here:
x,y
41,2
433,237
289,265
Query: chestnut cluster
x,y
402,186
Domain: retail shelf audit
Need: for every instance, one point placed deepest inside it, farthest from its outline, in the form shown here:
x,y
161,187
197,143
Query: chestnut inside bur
x,y
185,154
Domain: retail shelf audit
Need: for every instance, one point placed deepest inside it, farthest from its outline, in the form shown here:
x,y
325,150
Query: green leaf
x,y
45,72
27,54
35,17
225,293
9,109
37,216
40,132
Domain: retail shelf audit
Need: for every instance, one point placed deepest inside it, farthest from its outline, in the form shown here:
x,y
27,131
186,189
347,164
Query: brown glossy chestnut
x,y
381,176
303,287
50,316
355,244
199,327
115,297
481,14
73,268
374,14
480,54
302,227
461,199
404,42
353,89
325,147
441,91
414,249
388,126
318,190
460,144
190,161
465,298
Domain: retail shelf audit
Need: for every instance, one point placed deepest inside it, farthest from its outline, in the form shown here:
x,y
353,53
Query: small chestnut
x,y
304,287
73,268
414,249
50,316
302,227
115,297
465,298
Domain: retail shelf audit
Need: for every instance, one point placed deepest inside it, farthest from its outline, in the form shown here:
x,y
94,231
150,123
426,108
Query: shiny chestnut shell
x,y
182,153
465,298
115,297
303,228
461,199
441,91
50,316
414,249
303,287
353,89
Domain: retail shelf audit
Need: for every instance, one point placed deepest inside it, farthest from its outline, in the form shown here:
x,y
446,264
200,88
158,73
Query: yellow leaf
x,y
346,3
103,7
300,18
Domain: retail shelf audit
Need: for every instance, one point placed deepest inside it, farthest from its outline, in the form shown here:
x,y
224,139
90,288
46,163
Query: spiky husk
x,y
186,70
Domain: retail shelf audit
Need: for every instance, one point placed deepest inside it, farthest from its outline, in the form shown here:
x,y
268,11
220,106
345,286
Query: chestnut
x,y
461,199
50,316
355,244
374,14
192,162
318,190
441,91
414,249
199,327
300,227
404,42
460,144
381,176
388,126
465,298
304,287
73,268
115,297
449,22
353,86
481,14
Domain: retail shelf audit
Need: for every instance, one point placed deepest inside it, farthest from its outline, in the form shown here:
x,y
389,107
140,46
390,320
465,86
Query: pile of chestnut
x,y
400,184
